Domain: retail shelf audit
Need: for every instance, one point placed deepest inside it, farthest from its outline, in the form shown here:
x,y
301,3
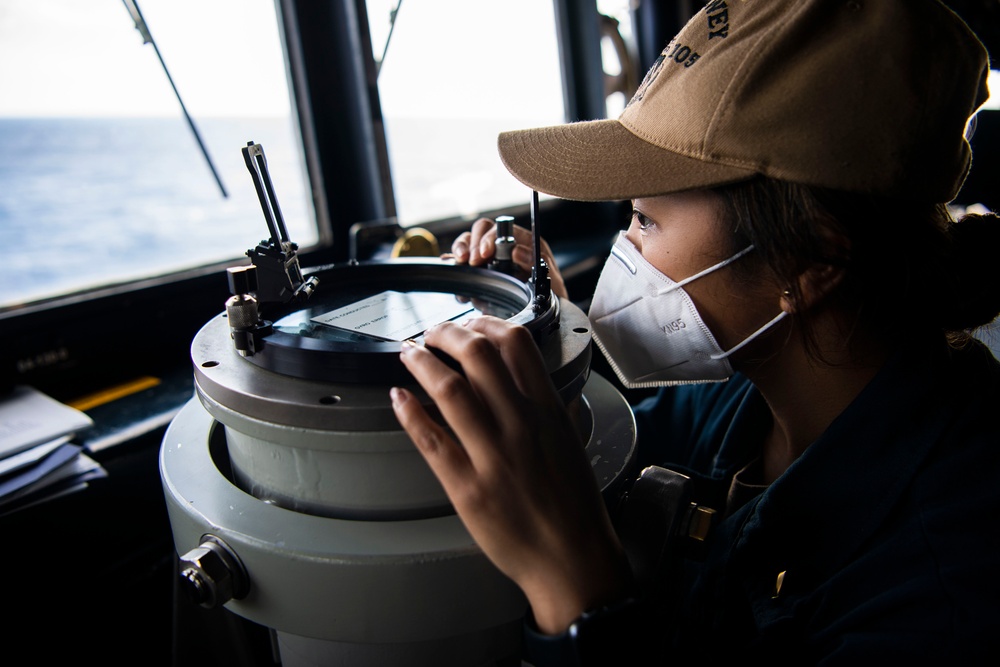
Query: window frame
x,y
71,345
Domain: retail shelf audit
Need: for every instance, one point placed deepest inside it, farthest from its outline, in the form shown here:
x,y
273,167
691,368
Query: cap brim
x,y
602,160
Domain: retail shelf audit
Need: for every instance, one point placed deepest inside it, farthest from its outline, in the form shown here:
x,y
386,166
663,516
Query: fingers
x,y
524,258
482,245
460,248
447,459
520,355
486,372
519,479
474,403
524,251
475,247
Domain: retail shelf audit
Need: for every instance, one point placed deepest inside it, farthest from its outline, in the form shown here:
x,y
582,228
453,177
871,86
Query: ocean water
x,y
91,202
87,202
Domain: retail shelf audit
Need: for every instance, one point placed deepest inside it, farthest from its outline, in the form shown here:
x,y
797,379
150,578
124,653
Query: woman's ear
x,y
814,284
821,279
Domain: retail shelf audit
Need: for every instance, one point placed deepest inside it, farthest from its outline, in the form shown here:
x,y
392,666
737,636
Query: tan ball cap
x,y
857,95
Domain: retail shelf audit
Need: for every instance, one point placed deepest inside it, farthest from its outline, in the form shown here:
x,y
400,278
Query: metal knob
x,y
242,310
242,279
505,243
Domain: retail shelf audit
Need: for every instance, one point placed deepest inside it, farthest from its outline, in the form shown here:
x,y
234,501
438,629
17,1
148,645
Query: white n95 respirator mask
x,y
648,327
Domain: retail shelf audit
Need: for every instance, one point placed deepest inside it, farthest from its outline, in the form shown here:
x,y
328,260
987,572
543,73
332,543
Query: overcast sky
x,y
85,58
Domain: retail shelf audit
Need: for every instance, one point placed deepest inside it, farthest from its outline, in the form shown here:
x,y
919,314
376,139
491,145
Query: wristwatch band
x,y
609,635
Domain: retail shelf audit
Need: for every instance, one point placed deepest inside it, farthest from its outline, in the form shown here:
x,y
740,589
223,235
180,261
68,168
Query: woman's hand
x,y
477,247
519,479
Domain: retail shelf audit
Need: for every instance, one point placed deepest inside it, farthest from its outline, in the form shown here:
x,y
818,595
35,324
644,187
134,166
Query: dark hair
x,y
907,264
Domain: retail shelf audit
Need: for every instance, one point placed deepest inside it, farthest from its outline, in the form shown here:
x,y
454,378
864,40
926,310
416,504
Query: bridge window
x,y
455,74
102,180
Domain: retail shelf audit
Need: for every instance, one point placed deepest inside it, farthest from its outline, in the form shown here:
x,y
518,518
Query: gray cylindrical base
x,y
496,647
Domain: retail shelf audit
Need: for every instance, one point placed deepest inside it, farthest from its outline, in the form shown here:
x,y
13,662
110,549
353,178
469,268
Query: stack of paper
x,y
38,459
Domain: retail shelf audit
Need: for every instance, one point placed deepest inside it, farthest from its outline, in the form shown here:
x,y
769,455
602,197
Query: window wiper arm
x,y
140,25
393,13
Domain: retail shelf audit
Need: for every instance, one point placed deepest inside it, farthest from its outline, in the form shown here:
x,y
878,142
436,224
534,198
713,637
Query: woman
x,y
788,162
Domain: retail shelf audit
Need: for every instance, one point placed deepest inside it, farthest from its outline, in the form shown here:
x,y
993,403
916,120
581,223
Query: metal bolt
x,y
195,587
212,575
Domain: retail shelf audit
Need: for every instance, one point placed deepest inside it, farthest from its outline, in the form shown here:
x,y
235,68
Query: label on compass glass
x,y
396,316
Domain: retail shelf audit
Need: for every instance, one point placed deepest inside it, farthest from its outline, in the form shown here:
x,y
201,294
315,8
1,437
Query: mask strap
x,y
749,338
705,272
